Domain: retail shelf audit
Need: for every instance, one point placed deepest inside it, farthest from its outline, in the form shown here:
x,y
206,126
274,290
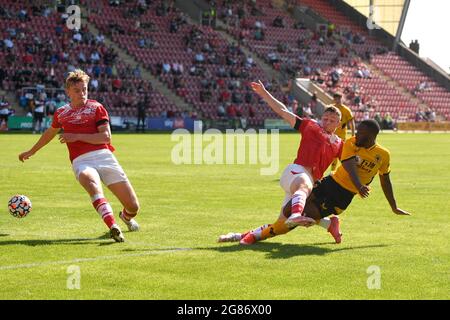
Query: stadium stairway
x,y
146,75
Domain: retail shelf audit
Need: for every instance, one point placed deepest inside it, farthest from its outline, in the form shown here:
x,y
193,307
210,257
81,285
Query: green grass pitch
x,y
185,208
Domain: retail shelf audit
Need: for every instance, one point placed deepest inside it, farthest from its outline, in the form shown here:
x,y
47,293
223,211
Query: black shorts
x,y
38,116
330,198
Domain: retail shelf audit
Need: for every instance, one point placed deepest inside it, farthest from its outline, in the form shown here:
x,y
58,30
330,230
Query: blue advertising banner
x,y
165,124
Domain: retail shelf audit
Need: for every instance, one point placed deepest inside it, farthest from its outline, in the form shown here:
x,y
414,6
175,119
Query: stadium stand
x,y
198,64
321,54
44,50
428,91
194,61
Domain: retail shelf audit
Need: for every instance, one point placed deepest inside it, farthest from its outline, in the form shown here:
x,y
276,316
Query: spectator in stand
x,y
12,112
50,107
93,85
38,117
170,114
366,73
356,98
220,110
388,122
231,111
259,34
414,46
177,68
27,59
273,57
137,72
432,117
278,22
313,104
249,62
225,95
359,73
378,119
100,39
366,115
359,39
141,108
4,112
173,26
317,76
116,84
9,45
251,111
330,30
199,58
95,57
422,86
166,67
299,25
335,77
248,97
3,76
238,111
236,97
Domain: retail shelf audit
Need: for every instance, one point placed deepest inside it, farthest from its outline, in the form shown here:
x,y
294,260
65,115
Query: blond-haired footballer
x,y
87,135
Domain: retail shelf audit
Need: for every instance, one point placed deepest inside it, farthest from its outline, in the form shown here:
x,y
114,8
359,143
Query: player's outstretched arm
x,y
350,167
45,138
386,185
277,106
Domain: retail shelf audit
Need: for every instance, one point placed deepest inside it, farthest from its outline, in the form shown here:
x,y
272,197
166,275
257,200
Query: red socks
x,y
298,201
128,216
105,211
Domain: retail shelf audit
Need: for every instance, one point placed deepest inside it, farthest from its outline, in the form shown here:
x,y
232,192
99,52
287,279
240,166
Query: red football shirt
x,y
81,120
317,147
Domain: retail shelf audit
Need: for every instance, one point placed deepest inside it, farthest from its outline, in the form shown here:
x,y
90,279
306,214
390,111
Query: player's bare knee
x,y
301,182
89,182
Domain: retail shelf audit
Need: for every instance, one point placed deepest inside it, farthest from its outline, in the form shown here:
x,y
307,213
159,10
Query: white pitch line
x,y
77,260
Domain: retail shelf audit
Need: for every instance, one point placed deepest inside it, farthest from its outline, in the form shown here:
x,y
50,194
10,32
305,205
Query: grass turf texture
x,y
186,207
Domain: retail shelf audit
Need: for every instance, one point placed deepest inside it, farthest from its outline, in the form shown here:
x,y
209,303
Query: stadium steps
x,y
145,74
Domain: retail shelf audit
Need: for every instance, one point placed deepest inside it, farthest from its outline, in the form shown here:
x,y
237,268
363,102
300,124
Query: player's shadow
x,y
277,250
74,241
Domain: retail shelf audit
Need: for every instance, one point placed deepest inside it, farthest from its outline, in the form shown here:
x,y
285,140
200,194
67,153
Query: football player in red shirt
x,y
87,135
318,147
